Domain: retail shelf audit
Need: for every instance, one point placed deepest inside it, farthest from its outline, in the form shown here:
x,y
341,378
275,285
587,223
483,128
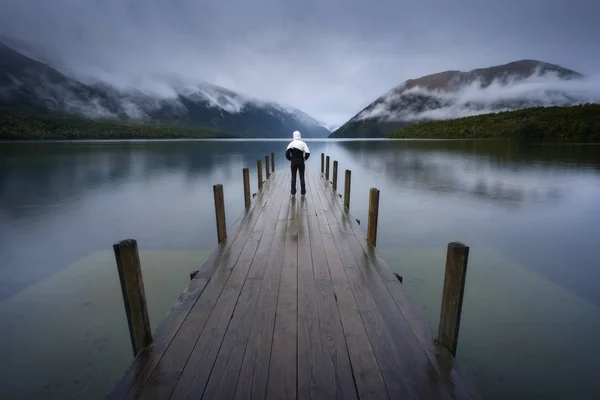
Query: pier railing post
x,y
246,174
347,182
272,162
322,163
259,174
327,168
335,168
373,216
267,165
457,258
132,286
220,212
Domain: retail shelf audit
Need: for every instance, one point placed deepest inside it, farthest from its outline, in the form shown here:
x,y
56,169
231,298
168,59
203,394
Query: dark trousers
x,y
298,165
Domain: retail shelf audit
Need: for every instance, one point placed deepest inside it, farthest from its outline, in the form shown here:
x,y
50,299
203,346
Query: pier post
x,y
457,258
259,174
246,174
220,212
335,168
347,181
322,163
272,162
267,164
373,216
327,168
132,286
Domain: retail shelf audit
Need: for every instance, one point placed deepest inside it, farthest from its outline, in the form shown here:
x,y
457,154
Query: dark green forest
x,y
576,123
23,125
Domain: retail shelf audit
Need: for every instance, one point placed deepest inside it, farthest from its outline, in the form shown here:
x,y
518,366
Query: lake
x,y
530,214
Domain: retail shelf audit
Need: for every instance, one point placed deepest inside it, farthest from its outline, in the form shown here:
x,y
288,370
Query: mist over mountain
x,y
30,84
455,94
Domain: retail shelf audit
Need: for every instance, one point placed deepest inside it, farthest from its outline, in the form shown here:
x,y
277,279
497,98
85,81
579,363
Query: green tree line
x,y
23,125
575,123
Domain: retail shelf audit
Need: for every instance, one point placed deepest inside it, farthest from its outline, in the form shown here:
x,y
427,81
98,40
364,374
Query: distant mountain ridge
x,y
453,94
28,84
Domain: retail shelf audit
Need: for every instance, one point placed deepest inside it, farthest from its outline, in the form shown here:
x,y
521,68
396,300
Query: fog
x,y
475,98
329,58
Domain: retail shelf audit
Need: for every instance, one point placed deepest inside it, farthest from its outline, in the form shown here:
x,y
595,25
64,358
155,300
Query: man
x,y
296,152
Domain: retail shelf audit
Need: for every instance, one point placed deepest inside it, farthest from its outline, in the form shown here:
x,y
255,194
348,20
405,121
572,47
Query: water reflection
x,y
529,213
502,172
59,201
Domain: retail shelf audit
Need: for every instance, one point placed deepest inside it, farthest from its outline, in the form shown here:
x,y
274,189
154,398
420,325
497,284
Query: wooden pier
x,y
295,302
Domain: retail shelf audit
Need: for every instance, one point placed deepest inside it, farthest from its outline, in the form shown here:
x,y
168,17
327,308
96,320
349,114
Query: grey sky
x,y
329,58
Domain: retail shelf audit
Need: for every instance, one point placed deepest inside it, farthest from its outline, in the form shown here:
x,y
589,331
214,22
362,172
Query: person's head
x,y
296,135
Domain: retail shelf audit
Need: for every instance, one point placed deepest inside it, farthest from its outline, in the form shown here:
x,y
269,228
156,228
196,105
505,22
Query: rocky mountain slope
x,y
453,94
28,84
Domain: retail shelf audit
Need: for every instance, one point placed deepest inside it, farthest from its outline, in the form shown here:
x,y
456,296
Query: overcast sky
x,y
329,58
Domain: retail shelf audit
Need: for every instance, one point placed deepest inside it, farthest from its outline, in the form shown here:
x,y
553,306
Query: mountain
x,y
29,84
454,94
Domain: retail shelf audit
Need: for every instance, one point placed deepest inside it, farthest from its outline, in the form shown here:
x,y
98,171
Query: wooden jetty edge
x,y
295,302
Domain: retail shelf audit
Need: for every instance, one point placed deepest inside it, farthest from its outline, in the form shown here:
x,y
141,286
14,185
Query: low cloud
x,y
474,99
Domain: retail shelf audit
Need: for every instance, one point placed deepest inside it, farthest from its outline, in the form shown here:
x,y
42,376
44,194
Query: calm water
x,y
530,214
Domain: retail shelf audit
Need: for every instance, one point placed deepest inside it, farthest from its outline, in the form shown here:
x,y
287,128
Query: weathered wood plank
x,y
283,366
167,373
248,218
315,376
447,368
136,376
259,263
335,358
224,375
363,330
254,372
199,365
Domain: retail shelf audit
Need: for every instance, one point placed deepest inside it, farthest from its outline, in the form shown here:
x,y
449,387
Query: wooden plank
x,y
320,268
319,212
224,374
384,329
395,365
283,365
323,191
367,371
259,263
142,368
252,380
138,373
167,372
456,380
197,370
444,363
421,373
241,225
315,375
